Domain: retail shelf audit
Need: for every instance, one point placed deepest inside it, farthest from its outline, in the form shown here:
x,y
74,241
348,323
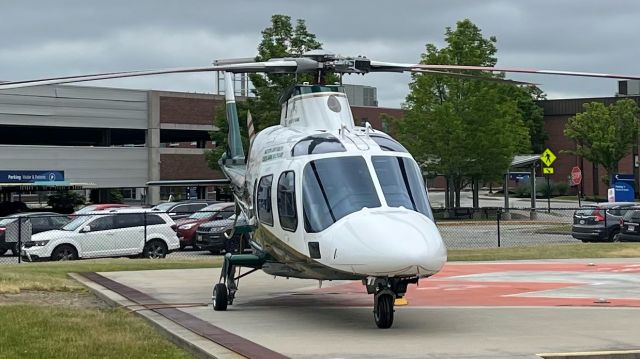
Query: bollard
x,y
499,214
19,239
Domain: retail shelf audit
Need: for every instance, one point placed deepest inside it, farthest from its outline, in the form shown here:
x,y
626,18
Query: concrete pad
x,y
470,310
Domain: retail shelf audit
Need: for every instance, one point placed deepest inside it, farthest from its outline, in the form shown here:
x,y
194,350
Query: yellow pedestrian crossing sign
x,y
547,157
547,170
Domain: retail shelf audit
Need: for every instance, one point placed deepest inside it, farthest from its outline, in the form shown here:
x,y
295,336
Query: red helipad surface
x,y
515,284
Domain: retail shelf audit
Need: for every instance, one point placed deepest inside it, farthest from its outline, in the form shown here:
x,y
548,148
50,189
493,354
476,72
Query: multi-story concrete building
x,y
105,138
109,138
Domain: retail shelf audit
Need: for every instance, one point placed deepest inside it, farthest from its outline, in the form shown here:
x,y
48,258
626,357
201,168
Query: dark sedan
x,y
187,227
210,236
630,226
40,222
599,223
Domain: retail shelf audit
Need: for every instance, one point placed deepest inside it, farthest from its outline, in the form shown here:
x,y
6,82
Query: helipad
x,y
469,310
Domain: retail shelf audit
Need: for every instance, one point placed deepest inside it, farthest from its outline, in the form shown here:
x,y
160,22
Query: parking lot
x,y
128,231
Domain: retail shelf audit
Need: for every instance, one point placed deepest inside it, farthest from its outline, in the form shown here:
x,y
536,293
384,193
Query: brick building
x,y
556,115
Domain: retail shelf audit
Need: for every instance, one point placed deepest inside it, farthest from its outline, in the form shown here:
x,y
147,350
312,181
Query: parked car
x,y
183,209
99,207
40,222
599,223
630,225
210,236
187,227
112,233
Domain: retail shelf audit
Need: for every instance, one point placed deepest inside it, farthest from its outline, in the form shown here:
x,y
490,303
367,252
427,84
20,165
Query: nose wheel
x,y
386,290
383,309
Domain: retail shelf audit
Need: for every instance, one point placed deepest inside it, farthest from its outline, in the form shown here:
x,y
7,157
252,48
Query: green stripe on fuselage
x,y
305,265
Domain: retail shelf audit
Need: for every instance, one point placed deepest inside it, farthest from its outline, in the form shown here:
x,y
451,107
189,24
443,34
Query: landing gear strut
x,y
385,291
224,292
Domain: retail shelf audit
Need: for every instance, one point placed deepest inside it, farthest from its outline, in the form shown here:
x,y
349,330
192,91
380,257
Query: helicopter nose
x,y
388,242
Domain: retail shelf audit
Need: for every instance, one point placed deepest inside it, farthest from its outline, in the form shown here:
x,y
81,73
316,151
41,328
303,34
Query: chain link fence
x,y
156,234
465,228
135,233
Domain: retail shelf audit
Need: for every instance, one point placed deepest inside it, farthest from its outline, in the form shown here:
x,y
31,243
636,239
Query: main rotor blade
x,y
278,66
377,66
474,77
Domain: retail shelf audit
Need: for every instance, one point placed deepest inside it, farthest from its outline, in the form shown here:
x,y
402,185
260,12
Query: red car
x,y
99,207
187,226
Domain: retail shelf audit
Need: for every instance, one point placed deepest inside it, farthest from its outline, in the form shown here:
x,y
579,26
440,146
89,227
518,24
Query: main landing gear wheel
x,y
220,297
385,291
383,311
224,291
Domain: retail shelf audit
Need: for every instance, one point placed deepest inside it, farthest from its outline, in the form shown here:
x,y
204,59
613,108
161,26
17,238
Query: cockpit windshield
x,y
334,188
401,183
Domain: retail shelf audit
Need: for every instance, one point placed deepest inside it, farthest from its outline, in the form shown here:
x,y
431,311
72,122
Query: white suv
x,y
113,233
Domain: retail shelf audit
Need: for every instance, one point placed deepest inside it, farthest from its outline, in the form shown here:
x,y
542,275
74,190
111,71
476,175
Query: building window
x,y
287,201
265,212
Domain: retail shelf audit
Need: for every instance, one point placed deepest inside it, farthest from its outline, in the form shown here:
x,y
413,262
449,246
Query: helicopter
x,y
325,199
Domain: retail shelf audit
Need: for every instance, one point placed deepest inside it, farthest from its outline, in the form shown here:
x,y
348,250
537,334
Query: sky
x,y
71,37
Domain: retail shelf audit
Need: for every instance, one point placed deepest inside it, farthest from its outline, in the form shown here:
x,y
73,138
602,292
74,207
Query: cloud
x,y
44,38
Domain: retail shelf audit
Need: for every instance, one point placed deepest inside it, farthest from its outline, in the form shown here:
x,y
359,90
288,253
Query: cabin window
x,y
401,183
334,188
388,144
321,143
265,213
287,201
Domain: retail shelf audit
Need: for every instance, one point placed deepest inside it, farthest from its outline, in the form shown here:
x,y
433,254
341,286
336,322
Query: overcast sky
x,y
69,37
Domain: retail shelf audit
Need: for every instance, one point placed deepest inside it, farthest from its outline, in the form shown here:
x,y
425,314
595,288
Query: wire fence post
x,y
498,215
145,227
19,243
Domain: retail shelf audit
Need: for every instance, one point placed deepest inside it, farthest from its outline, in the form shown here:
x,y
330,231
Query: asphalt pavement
x,y
469,310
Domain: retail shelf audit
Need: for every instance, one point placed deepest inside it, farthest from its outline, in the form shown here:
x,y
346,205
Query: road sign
x,y
547,157
547,170
576,176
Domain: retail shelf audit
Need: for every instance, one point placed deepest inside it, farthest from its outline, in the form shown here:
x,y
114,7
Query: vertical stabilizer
x,y
235,151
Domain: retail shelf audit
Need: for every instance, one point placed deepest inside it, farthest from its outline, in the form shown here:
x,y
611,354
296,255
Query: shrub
x,y
523,189
562,188
543,190
65,201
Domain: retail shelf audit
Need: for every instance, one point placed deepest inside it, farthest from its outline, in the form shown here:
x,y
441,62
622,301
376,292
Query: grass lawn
x,y
52,276
555,251
68,321
33,331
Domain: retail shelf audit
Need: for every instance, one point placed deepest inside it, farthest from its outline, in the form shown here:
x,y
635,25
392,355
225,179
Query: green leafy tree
x,y
65,201
280,39
604,135
464,129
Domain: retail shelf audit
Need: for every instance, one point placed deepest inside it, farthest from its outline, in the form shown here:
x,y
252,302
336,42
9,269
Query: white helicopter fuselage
x,y
329,202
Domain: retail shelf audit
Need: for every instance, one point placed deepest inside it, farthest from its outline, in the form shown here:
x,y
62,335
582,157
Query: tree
x,y
65,201
280,39
466,130
604,135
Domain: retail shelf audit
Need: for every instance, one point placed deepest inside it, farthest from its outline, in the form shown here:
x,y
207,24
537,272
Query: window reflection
x,y
321,143
401,183
287,201
388,144
334,188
